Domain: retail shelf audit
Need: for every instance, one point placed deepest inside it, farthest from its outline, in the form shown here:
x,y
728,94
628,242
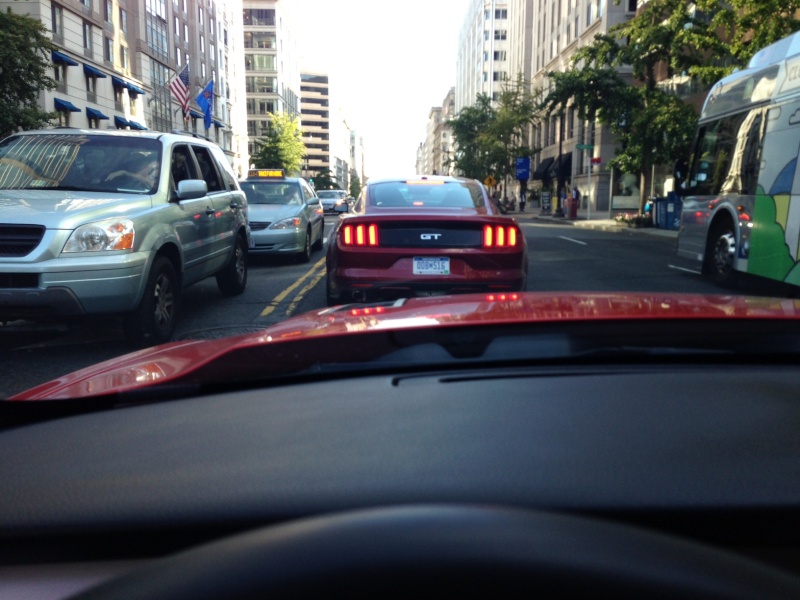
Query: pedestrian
x,y
522,201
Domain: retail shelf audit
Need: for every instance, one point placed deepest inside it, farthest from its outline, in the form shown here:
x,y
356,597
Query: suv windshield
x,y
80,162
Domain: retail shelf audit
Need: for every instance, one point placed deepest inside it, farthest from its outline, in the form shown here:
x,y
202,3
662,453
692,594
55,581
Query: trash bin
x,y
572,208
660,213
672,213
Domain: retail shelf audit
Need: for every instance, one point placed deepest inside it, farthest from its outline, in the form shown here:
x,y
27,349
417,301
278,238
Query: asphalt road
x,y
562,258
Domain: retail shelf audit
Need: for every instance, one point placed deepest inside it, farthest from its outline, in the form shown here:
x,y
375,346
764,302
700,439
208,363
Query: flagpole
x,y
161,89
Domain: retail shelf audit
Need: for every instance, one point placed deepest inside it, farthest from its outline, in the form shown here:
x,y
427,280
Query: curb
x,y
607,225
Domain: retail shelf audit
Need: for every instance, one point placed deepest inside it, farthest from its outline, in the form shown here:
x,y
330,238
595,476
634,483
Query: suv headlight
x,y
112,234
290,223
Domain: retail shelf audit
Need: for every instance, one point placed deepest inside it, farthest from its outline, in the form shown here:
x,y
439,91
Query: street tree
x,y
471,127
25,67
355,184
283,147
747,26
323,180
490,136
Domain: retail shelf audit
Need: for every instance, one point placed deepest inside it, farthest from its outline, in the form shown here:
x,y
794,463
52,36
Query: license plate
x,y
431,266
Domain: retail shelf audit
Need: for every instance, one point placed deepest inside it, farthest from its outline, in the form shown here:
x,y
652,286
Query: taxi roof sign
x,y
266,174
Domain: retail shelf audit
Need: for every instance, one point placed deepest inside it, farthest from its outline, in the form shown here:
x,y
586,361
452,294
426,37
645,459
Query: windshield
x,y
80,163
440,299
265,192
493,179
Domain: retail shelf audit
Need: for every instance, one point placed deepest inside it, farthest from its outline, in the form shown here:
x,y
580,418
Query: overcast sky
x,y
389,63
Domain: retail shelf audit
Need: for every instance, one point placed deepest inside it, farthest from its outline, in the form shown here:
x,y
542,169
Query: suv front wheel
x,y
153,322
232,280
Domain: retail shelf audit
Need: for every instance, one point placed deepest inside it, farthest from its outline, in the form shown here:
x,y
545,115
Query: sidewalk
x,y
598,221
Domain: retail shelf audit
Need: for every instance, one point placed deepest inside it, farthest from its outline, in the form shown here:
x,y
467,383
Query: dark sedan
x,y
421,237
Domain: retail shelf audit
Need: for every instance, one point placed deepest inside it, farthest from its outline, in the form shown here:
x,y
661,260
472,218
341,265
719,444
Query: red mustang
x,y
428,236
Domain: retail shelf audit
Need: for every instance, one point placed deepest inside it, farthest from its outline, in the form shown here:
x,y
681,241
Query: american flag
x,y
180,88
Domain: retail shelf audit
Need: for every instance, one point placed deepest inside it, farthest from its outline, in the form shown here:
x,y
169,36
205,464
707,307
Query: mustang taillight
x,y
500,236
360,235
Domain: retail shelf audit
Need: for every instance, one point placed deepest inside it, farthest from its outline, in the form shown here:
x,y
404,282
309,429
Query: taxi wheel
x,y
232,280
320,240
305,253
153,322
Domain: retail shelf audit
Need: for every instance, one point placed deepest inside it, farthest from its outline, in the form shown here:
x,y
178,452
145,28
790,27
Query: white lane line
x,y
572,240
685,270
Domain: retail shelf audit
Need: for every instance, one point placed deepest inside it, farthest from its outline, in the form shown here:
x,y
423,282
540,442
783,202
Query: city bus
x,y
741,189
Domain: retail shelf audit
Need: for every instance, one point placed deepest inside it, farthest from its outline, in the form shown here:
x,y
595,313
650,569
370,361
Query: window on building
x,y
202,44
108,50
260,62
87,37
500,34
86,3
632,5
57,20
500,55
178,57
185,33
60,75
200,16
123,57
108,10
259,39
264,17
123,21
501,13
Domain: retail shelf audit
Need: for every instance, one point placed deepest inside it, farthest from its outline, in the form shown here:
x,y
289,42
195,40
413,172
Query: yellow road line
x,y
297,299
282,296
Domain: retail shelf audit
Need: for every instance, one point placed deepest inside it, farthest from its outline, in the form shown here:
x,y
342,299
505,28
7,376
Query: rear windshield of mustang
x,y
426,194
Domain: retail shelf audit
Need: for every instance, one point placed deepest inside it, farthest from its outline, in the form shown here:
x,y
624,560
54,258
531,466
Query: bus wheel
x,y
722,256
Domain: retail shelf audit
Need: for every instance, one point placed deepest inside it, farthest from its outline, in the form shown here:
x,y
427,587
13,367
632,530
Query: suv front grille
x,y
19,240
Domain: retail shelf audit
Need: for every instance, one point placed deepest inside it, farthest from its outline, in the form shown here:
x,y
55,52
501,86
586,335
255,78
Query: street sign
x,y
489,181
523,168
596,160
585,146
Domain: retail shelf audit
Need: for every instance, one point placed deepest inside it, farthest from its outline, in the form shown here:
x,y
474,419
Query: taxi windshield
x,y
271,192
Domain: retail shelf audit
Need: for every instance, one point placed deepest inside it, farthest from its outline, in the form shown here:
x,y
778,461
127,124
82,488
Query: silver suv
x,y
108,222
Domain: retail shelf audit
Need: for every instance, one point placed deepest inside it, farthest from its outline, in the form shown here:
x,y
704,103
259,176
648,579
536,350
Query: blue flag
x,y
205,100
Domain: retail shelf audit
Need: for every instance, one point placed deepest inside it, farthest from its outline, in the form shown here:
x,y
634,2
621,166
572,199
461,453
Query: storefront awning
x,y
135,125
561,168
62,58
90,70
116,81
93,113
136,90
65,106
542,169
120,122
217,123
196,114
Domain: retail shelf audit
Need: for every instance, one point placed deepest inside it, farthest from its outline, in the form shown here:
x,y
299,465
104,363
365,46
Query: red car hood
x,y
301,341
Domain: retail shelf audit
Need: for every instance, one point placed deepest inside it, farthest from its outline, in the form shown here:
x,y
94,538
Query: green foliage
x,y
490,137
323,180
25,68
747,26
355,184
283,147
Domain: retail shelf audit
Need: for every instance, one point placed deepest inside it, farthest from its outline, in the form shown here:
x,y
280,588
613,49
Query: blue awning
x,y
90,70
196,114
63,58
217,123
120,122
93,113
134,89
65,105
118,82
135,125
